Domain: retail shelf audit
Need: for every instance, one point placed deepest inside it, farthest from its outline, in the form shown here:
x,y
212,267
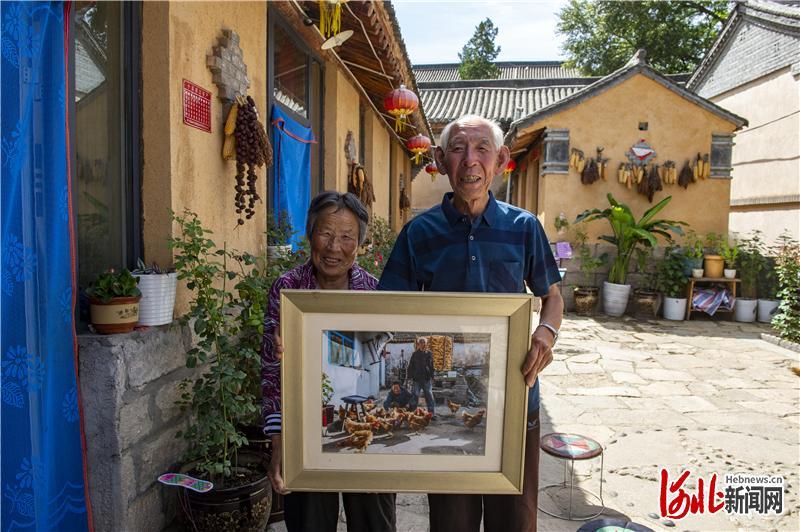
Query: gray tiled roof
x,y
508,70
497,103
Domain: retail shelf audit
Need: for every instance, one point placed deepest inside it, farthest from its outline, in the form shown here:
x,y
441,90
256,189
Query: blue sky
x,y
435,30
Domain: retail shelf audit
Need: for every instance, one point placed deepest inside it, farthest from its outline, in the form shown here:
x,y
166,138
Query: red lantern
x,y
418,144
431,169
510,167
400,103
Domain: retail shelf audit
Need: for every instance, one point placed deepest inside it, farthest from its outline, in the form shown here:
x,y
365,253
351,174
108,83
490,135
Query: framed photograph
x,y
404,391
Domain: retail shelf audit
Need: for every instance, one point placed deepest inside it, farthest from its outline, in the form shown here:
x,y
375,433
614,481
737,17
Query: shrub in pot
x,y
586,294
713,263
729,251
768,287
279,235
692,253
645,297
114,302
750,264
787,267
671,282
628,235
221,399
327,395
158,293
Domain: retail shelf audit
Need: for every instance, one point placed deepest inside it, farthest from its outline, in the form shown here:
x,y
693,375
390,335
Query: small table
x,y
708,280
353,402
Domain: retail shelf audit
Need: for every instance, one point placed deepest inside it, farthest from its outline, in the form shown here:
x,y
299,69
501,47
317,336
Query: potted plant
x,y
713,264
586,294
561,223
279,235
645,297
671,282
158,293
768,287
114,302
221,399
750,264
729,250
787,320
327,395
377,247
628,236
692,253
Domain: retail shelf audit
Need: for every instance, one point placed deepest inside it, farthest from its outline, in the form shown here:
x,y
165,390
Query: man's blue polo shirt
x,y
441,250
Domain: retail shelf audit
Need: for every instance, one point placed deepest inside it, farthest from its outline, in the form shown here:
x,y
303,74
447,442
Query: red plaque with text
x,y
196,106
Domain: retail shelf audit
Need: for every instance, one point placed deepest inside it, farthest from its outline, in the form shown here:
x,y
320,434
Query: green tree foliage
x,y
601,35
478,55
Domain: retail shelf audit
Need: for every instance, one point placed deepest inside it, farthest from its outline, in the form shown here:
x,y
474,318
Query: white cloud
x,y
435,31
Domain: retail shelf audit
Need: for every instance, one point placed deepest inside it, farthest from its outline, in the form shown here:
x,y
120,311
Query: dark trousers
x,y
319,511
501,513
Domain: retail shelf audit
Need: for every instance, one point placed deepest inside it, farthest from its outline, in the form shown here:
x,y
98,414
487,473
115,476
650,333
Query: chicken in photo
x,y
453,406
358,440
471,420
417,423
352,426
342,413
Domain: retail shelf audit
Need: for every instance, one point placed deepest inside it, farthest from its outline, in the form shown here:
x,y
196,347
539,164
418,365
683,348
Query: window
x,y
556,151
296,84
106,132
342,350
721,148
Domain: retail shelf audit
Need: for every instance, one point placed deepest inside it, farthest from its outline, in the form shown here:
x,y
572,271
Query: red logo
x,y
676,502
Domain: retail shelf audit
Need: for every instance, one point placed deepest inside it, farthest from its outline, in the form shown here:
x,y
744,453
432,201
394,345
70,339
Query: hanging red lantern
x,y
510,167
400,103
418,144
431,169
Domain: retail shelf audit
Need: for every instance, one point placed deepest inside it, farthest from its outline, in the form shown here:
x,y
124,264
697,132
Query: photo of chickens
x,y
398,392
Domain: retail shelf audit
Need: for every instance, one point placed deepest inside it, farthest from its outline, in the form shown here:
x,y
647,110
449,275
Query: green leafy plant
x,y
729,250
222,398
327,389
751,263
715,242
693,245
629,234
787,266
589,264
377,247
646,269
111,284
279,230
561,222
670,279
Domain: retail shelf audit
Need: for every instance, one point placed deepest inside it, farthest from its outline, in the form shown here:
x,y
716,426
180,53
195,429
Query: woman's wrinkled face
x,y
334,244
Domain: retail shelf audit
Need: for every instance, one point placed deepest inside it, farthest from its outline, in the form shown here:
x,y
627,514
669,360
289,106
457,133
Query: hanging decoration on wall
x,y
253,150
701,169
641,153
577,161
419,145
400,103
405,203
432,170
687,175
330,17
359,184
509,169
650,183
668,173
227,66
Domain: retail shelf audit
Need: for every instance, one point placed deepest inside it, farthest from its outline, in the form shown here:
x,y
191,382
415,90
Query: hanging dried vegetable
x,y
668,173
590,172
649,185
252,151
686,176
360,185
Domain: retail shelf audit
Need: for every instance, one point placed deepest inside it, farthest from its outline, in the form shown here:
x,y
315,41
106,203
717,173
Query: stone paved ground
x,y
707,396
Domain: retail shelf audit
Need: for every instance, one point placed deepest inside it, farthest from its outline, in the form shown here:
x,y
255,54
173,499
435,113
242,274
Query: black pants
x,y
319,511
501,513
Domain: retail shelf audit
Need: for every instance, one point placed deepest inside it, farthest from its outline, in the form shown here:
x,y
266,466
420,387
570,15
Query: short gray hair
x,y
331,198
497,131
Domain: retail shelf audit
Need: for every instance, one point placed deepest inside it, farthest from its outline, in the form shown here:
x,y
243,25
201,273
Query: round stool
x,y
571,447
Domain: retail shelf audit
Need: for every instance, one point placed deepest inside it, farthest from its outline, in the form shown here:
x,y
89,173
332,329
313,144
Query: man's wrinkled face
x,y
395,389
471,161
421,344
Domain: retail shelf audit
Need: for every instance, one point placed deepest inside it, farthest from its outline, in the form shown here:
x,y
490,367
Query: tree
x,y
601,35
478,55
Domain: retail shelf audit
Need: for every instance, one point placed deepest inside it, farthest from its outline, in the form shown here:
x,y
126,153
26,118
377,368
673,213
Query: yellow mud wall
x,y
341,116
677,129
183,166
377,162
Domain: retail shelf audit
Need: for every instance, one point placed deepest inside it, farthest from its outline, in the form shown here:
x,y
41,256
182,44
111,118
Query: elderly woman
x,y
336,226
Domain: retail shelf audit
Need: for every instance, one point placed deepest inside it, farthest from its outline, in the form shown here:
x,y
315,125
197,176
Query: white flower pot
x,y
278,252
767,308
158,298
729,274
615,298
675,308
744,310
697,273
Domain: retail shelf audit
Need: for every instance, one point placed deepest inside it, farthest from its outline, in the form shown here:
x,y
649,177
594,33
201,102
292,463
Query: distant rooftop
x,y
508,70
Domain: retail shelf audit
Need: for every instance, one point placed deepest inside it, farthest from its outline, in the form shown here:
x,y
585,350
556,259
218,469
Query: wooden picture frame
x,y
487,337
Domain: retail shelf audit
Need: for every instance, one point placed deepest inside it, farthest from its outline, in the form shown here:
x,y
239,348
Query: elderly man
x,y
420,371
473,243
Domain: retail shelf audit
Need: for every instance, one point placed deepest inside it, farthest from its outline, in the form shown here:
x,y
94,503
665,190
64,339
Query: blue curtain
x,y
42,459
291,175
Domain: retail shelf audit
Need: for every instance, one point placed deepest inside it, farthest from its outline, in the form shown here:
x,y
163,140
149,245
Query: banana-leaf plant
x,y
630,235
